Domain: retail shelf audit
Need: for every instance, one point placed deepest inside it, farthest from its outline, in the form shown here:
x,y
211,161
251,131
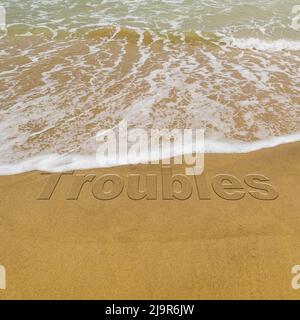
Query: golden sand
x,y
154,249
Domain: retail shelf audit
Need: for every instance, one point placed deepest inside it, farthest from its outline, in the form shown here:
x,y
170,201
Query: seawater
x,y
71,68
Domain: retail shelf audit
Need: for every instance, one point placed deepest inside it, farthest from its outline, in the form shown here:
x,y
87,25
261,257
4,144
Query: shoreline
x,y
154,249
43,160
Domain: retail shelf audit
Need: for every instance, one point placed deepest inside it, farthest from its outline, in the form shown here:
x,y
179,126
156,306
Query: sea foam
x,y
263,45
230,68
70,162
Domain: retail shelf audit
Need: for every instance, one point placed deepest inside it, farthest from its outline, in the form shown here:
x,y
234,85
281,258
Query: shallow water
x,y
71,68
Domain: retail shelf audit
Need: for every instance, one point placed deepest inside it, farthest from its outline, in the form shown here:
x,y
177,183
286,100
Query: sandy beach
x,y
154,249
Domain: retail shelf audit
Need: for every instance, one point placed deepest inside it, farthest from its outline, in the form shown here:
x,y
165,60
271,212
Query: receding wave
x,y
264,45
135,35
68,162
66,72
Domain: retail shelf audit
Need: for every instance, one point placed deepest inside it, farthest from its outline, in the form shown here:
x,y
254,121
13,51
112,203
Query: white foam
x,y
212,146
263,45
63,163
89,85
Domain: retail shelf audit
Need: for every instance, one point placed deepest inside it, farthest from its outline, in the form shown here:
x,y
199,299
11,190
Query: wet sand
x,y
154,249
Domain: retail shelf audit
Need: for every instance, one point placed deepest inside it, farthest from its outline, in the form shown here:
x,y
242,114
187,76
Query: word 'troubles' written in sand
x,y
162,186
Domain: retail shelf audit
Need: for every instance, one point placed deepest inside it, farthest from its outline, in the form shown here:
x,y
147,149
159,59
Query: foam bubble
x,y
263,45
63,163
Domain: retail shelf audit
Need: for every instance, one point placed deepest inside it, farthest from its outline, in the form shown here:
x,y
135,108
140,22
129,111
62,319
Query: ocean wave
x,y
69,162
263,45
66,76
131,34
134,35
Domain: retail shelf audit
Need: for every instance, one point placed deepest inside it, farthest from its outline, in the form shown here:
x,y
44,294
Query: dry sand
x,y
154,249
